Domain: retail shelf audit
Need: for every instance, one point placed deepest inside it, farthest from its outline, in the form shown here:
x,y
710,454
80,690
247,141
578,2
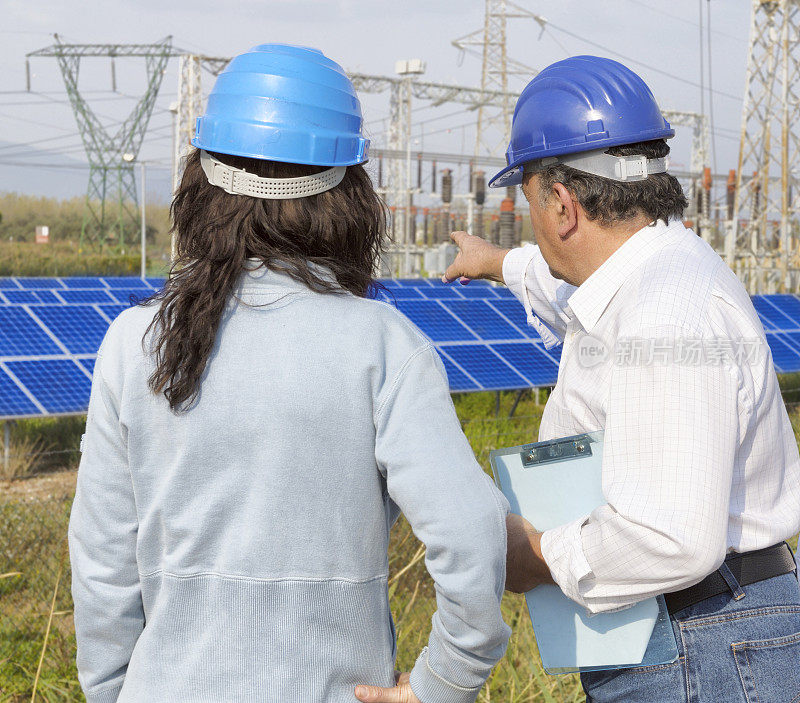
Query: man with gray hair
x,y
664,352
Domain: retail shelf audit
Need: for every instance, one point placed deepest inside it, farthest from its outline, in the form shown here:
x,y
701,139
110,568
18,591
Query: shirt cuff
x,y
515,271
429,687
562,549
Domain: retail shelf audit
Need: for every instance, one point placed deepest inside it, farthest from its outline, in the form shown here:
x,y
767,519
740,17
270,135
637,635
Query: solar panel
x,y
771,317
125,282
486,367
21,336
480,331
458,380
30,297
60,385
88,364
39,283
442,293
473,291
434,320
111,311
530,360
414,282
13,401
82,282
20,297
513,311
483,320
785,358
131,295
92,295
789,305
80,328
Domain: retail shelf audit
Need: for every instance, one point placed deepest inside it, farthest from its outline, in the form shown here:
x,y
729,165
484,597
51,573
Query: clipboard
x,y
550,484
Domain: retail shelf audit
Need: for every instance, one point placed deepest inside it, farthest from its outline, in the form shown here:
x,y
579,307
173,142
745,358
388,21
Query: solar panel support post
x,y
517,398
6,445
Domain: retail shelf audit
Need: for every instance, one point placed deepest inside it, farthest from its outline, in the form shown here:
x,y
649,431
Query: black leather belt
x,y
746,568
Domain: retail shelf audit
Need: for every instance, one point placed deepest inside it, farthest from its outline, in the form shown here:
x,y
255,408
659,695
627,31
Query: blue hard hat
x,y
284,103
579,104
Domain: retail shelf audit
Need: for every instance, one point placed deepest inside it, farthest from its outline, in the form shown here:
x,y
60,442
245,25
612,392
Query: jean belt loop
x,y
730,579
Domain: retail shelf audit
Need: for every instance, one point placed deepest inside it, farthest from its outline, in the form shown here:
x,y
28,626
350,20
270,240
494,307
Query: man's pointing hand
x,y
476,258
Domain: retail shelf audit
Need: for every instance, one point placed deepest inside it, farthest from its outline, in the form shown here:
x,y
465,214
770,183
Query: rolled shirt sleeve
x,y
528,277
670,439
457,512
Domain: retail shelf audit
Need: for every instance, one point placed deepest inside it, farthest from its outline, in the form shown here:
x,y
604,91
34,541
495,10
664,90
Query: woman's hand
x,y
476,258
401,693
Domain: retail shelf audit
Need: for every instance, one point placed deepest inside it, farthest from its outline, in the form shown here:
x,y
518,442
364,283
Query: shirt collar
x,y
256,277
592,297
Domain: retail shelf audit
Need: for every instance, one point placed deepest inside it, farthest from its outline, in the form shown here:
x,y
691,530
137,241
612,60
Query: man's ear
x,y
567,210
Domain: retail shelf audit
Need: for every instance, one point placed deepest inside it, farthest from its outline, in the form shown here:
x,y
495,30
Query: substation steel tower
x,y
111,202
762,238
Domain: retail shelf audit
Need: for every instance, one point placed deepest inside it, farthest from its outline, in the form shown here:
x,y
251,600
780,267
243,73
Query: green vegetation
x,y
20,256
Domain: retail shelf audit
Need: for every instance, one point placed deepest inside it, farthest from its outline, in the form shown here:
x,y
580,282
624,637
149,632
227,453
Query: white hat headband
x,y
239,182
598,163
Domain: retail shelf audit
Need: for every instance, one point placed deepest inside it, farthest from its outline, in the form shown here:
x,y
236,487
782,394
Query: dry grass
x,y
23,454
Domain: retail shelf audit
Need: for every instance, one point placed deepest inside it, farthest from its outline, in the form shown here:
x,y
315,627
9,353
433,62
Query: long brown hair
x,y
342,229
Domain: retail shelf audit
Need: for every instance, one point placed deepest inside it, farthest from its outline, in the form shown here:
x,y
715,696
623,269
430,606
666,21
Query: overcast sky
x,y
660,40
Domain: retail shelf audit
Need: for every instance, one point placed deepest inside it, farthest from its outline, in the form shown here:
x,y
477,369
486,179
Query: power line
x,y
650,67
681,19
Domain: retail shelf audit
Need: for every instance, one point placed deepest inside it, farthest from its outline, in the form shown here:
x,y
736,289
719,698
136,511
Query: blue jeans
x,y
745,651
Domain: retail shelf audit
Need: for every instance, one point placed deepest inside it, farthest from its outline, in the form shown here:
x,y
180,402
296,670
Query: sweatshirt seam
x,y
264,579
397,379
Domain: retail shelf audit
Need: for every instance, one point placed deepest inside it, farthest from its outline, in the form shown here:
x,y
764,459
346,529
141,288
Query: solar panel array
x,y
51,328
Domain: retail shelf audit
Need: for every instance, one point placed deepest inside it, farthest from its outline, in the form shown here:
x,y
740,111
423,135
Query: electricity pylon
x,y
761,242
111,199
494,125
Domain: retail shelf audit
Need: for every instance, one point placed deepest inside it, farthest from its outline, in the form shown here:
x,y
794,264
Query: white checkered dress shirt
x,y
665,353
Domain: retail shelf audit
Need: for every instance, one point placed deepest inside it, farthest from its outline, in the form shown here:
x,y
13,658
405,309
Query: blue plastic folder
x,y
550,484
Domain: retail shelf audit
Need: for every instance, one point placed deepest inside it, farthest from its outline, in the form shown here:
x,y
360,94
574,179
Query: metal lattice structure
x,y
494,121
111,199
763,237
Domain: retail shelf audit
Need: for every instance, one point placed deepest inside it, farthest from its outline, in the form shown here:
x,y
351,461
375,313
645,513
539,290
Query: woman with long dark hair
x,y
255,429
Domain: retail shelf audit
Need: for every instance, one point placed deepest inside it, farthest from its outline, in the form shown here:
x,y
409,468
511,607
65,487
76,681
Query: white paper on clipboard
x,y
551,484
